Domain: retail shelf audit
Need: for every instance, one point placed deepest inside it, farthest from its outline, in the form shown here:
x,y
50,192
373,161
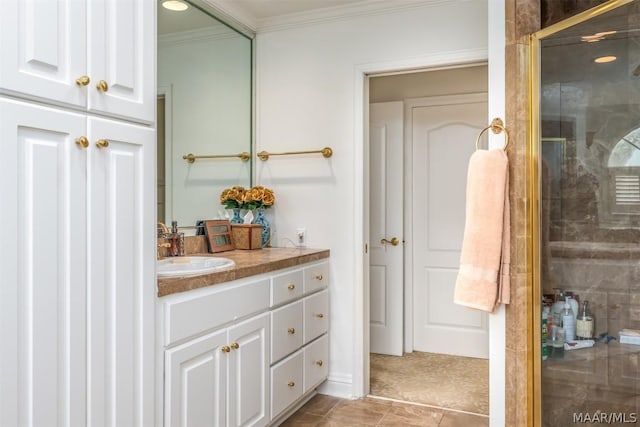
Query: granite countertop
x,y
248,263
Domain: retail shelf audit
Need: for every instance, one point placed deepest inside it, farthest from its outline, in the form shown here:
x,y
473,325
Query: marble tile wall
x,y
522,18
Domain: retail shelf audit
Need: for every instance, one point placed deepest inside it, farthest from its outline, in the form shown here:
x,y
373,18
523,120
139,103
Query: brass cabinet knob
x,y
394,241
102,86
102,143
319,362
226,349
291,331
83,80
291,287
82,141
319,277
291,384
320,315
235,346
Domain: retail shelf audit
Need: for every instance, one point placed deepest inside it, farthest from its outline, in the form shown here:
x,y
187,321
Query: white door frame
x,y
360,380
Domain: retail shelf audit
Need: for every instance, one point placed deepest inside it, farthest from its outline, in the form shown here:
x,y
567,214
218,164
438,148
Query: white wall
x,y
309,95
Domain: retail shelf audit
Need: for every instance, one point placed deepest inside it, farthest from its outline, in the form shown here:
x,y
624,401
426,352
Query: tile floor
x,y
328,411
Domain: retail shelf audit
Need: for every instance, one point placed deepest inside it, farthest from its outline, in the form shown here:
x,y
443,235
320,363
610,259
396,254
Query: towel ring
x,y
496,126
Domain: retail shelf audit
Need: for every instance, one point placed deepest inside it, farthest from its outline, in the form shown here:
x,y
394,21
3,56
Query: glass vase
x,y
266,228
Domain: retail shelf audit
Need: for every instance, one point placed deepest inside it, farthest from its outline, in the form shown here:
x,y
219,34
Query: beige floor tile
x,y
301,419
359,412
457,419
320,404
411,415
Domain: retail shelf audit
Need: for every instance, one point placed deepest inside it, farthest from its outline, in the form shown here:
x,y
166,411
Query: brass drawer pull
x,y
235,346
320,315
102,86
319,362
82,141
291,287
83,80
102,143
291,384
319,277
226,349
291,331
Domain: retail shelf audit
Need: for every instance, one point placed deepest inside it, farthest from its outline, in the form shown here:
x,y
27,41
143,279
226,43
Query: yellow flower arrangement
x,y
256,197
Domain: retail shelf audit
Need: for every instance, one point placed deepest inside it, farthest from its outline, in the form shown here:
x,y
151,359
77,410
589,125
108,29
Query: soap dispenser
x,y
177,241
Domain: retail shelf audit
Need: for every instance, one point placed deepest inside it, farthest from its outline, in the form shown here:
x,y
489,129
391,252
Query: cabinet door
x,y
42,266
122,47
249,373
43,45
121,264
195,382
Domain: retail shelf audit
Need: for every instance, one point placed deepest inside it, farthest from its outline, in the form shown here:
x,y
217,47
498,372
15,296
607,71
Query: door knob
x,y
394,241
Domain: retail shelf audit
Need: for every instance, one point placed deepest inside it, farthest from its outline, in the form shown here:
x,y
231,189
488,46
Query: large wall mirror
x,y
204,109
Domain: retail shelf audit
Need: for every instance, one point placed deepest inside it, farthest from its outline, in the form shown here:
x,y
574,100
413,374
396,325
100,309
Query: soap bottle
x,y
584,324
545,318
558,307
177,241
568,322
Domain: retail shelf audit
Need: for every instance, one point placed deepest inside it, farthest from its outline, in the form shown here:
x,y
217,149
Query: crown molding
x,y
194,36
339,13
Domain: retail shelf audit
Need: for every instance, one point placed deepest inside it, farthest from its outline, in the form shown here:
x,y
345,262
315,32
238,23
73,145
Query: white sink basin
x,y
191,265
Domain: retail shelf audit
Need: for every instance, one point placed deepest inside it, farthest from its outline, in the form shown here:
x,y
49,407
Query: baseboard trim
x,y
338,386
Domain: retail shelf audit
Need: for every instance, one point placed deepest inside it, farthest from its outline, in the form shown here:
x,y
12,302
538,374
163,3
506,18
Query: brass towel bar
x,y
496,126
326,152
191,158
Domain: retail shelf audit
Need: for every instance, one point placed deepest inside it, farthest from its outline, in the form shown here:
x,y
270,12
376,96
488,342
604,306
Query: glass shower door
x,y
589,219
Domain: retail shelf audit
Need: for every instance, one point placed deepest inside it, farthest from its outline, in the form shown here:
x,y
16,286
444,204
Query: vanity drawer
x,y
316,362
286,382
316,315
286,330
187,316
316,277
286,287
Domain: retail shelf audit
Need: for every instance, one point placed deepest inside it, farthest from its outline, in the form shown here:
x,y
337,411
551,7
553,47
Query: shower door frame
x,y
534,192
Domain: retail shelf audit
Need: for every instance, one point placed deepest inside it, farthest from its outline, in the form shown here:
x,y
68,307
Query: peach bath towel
x,y
483,278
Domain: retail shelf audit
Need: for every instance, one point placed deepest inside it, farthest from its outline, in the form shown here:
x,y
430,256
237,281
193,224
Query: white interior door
x,y
444,130
386,222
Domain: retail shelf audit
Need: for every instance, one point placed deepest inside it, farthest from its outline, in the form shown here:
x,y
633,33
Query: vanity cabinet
x,y
219,379
96,55
77,294
243,352
300,347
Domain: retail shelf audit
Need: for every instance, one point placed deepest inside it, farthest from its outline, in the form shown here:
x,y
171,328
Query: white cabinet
x,y
300,347
77,290
219,379
77,257
48,45
235,353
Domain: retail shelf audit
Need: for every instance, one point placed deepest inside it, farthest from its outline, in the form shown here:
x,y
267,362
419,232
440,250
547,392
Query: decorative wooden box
x,y
247,236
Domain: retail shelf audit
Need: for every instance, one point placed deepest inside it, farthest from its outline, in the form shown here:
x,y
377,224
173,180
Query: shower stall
x,y
585,149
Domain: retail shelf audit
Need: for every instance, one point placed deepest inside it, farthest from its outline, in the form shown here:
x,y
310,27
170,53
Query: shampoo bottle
x,y
568,323
584,324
